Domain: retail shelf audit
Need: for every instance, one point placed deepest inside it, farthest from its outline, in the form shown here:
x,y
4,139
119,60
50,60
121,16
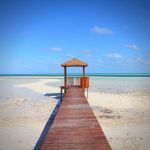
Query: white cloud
x,y
69,55
114,56
132,46
102,30
56,49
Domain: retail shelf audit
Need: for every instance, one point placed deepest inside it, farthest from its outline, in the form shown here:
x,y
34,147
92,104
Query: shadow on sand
x,y
54,95
50,120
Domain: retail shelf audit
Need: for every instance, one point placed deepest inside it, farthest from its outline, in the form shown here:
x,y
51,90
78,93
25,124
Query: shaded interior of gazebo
x,y
73,63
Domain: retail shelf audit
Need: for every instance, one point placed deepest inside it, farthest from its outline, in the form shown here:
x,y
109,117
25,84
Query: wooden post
x,y
65,77
83,77
61,93
83,71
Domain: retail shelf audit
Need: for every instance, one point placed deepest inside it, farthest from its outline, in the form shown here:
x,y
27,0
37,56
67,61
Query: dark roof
x,y
74,63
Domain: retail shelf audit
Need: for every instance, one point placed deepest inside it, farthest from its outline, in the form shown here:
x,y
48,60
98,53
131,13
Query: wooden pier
x,y
75,126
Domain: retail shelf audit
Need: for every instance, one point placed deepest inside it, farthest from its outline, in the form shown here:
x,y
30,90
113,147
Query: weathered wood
x,y
83,71
65,76
75,126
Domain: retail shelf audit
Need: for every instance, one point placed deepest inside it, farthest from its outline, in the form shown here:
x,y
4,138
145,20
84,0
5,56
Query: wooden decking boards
x,y
75,126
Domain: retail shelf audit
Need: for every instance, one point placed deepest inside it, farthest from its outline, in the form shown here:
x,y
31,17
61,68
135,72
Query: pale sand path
x,y
40,87
22,120
124,117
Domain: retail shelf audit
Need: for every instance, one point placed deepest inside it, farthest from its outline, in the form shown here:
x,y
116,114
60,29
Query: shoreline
x,y
79,74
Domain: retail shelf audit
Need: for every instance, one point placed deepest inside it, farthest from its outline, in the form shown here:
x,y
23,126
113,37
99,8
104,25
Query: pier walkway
x,y
75,126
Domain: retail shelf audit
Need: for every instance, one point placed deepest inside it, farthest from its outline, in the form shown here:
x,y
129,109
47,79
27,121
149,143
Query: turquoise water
x,y
88,74
101,83
9,91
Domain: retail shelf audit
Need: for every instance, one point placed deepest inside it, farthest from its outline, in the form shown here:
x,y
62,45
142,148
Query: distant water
x,y
114,83
88,74
9,91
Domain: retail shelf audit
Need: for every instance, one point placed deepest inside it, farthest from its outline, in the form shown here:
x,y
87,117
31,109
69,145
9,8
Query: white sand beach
x,y
122,112
125,118
23,119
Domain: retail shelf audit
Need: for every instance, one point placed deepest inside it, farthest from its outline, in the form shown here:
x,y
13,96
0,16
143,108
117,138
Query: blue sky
x,y
36,36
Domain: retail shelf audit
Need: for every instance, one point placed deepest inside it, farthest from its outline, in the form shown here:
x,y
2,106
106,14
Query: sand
x,y
124,116
23,119
40,87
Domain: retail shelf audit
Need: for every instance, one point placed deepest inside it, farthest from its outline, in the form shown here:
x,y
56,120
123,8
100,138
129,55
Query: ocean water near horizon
x,y
9,91
111,83
80,74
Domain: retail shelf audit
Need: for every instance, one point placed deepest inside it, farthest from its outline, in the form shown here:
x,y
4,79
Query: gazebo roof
x,y
74,63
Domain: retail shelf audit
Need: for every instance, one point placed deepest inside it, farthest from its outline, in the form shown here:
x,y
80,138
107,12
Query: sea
x,y
79,74
101,82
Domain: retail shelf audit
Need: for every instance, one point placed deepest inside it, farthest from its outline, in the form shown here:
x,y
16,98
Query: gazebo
x,y
84,81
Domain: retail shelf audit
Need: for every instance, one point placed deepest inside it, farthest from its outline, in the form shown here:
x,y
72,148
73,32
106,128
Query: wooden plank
x,y
75,126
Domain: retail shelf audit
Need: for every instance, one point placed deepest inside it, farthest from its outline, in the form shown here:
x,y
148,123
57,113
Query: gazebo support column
x,y
83,71
74,63
65,77
83,80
